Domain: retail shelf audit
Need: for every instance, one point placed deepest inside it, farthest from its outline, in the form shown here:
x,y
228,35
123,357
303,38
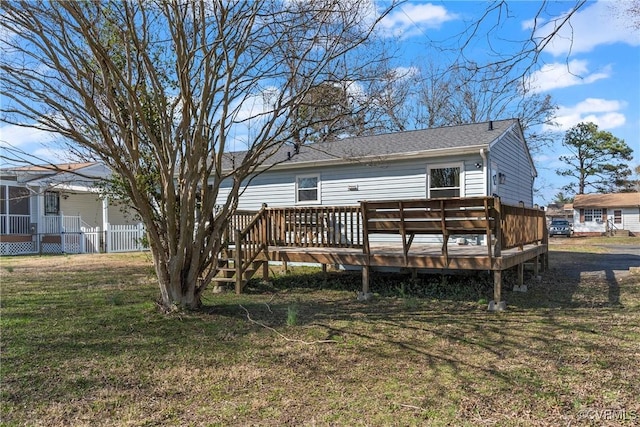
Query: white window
x,y
308,189
444,181
593,215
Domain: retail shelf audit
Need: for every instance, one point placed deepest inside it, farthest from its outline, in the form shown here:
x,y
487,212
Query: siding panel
x,y
510,154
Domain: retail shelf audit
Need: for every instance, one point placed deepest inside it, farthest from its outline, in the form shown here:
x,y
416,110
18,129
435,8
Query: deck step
x,y
225,279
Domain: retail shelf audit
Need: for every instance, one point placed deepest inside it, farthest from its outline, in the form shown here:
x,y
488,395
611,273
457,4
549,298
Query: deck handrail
x,y
505,226
315,226
509,226
442,216
522,226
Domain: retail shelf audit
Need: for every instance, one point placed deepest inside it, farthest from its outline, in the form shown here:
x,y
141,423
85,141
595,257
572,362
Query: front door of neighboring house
x,y
618,219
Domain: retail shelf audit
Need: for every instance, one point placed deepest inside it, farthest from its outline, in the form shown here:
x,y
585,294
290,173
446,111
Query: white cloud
x,y
19,136
411,19
603,112
599,23
559,75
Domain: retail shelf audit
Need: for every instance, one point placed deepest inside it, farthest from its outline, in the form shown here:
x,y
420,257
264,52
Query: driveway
x,y
604,260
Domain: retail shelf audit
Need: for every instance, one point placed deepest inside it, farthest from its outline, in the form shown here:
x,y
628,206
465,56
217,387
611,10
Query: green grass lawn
x,y
83,344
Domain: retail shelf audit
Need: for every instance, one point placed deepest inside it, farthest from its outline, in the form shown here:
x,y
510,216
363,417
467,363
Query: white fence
x,y
125,238
117,238
93,241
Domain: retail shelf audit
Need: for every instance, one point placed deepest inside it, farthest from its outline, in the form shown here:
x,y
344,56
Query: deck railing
x,y
522,226
505,226
319,226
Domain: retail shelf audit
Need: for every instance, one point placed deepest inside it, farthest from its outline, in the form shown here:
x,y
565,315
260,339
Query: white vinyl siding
x,y
631,219
348,184
89,207
509,154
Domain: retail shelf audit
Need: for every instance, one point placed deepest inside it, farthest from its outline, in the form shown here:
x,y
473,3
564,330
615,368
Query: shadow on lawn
x,y
435,327
574,280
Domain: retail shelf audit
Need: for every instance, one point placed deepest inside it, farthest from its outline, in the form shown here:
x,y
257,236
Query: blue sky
x,y
592,74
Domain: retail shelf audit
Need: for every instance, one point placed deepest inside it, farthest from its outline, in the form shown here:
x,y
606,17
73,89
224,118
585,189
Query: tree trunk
x,y
177,292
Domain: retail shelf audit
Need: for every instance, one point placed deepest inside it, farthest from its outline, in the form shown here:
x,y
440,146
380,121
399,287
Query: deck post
x,y
497,251
521,287
365,294
265,271
238,261
496,304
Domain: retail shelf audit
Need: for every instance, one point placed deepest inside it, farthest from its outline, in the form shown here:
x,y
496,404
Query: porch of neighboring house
x,y
59,234
444,235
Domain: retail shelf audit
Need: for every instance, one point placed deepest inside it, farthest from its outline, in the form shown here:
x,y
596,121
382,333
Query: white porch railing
x,y
52,224
15,224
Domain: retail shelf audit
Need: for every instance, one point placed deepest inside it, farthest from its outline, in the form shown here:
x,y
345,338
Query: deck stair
x,y
228,273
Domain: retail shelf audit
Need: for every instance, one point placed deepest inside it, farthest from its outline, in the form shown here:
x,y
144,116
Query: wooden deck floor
x,y
460,257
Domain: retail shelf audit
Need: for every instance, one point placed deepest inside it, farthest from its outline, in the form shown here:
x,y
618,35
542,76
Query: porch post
x,y
105,224
105,213
6,208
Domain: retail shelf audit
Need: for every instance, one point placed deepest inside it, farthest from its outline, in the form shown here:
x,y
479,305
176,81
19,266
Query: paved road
x,y
615,262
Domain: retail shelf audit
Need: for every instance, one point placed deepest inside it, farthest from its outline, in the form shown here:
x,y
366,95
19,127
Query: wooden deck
x,y
350,236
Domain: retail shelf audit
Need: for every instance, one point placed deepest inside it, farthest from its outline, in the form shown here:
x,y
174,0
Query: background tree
x,y
330,112
561,199
158,91
425,97
631,183
596,159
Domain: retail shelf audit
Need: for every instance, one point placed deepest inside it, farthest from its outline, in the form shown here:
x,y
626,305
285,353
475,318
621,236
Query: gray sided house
x,y
482,159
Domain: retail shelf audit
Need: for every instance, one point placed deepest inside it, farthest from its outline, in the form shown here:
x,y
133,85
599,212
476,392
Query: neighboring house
x,y
46,210
559,211
598,214
482,159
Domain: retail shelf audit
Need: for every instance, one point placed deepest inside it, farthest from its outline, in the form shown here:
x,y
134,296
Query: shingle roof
x,y
616,200
53,168
420,142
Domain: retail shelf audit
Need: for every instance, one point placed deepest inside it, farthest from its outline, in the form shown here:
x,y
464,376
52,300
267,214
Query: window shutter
x,y
581,215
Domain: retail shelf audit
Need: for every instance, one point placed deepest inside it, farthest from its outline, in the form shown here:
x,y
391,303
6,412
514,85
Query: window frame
x,y
460,188
318,199
48,197
593,215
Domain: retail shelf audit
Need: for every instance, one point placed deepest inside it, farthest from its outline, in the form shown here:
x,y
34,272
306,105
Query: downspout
x,y
483,154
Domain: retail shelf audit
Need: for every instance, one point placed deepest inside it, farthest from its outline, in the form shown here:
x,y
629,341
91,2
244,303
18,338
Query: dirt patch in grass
x,y
83,344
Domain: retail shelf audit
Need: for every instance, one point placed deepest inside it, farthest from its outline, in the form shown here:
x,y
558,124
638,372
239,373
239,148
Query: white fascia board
x,y
441,152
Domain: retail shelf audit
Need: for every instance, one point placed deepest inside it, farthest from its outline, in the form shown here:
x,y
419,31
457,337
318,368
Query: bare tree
x,y
157,90
432,96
